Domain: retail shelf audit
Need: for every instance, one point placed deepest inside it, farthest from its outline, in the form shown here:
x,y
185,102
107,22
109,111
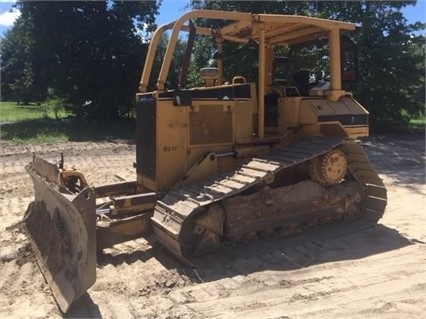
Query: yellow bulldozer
x,y
226,161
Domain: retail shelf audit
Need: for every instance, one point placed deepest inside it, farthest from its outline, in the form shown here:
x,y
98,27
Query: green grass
x,y
38,131
12,112
418,123
31,125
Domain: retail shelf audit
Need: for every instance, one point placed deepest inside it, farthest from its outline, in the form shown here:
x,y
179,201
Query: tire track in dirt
x,y
99,164
329,277
321,290
9,149
21,284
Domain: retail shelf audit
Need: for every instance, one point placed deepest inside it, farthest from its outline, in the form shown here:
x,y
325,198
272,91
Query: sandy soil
x,y
355,270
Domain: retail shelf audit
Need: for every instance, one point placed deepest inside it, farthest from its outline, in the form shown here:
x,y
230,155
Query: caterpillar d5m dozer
x,y
222,162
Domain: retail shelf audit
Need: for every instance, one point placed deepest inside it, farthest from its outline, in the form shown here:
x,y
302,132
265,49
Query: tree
x,y
391,58
18,79
88,52
173,75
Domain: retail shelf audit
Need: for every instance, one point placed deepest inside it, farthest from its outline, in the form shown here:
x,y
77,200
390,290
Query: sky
x,y
172,9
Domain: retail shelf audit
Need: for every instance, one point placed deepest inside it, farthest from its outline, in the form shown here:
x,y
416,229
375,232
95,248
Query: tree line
x,y
89,54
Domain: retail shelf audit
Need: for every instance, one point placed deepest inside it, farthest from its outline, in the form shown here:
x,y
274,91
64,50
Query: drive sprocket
x,y
329,168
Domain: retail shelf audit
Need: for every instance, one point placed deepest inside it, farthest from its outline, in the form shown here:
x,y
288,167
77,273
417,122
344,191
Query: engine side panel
x,y
345,112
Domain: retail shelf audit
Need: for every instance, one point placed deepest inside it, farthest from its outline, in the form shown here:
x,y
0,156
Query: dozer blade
x,y
62,231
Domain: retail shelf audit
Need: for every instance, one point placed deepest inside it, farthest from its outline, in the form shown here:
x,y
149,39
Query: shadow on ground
x,y
330,243
84,307
399,155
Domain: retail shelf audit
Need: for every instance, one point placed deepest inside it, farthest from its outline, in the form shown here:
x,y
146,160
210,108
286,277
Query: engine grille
x,y
146,137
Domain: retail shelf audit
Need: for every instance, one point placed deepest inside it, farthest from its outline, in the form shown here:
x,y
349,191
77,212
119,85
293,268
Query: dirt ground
x,y
354,270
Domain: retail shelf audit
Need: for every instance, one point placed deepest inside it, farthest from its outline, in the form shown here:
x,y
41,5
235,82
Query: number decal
x,y
169,148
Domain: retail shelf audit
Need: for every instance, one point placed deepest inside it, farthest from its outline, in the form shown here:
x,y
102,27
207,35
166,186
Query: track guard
x,y
62,231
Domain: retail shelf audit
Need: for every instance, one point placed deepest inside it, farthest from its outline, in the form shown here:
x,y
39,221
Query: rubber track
x,y
175,206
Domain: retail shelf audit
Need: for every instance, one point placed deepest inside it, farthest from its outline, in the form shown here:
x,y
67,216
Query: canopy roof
x,y
241,27
279,29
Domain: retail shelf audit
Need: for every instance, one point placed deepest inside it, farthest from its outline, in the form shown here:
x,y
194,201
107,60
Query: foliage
x,y
84,50
19,82
55,106
391,52
418,122
173,75
391,59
